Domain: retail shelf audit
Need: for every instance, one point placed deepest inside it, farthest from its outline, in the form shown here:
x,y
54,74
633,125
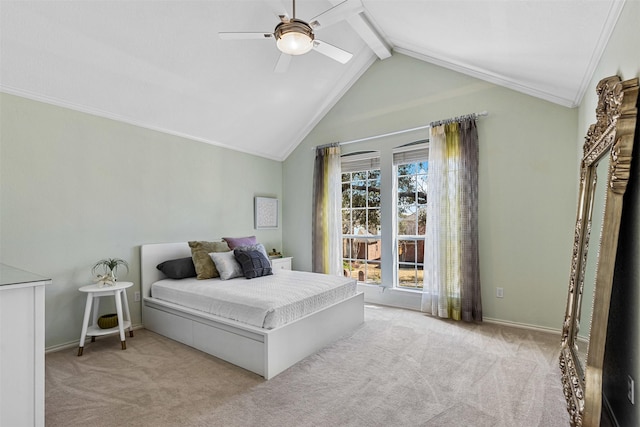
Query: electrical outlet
x,y
500,292
136,296
631,390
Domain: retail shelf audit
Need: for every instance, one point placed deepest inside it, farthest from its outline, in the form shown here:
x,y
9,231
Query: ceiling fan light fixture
x,y
294,37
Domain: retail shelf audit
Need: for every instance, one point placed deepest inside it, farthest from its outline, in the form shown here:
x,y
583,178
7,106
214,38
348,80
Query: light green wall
x,y
622,57
76,188
527,179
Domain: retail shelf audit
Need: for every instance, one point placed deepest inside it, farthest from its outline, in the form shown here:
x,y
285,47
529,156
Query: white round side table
x,y
94,292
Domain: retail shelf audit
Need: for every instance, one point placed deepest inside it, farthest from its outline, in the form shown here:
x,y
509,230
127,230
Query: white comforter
x,y
266,302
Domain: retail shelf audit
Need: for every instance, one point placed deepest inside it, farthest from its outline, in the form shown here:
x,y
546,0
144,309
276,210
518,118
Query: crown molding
x,y
607,30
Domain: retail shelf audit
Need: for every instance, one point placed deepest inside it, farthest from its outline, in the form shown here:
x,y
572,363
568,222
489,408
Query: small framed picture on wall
x,y
266,212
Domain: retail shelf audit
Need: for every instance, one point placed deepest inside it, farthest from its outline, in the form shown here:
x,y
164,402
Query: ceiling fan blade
x,y
245,36
283,63
278,9
331,51
336,14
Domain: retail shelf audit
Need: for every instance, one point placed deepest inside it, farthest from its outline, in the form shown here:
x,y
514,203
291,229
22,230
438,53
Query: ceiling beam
x,y
367,32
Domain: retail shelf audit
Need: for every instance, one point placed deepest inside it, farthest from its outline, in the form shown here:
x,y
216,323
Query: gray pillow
x,y
178,268
226,265
254,263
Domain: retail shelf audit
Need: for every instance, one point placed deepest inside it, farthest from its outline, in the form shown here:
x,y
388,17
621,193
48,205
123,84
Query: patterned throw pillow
x,y
257,247
226,264
205,268
254,263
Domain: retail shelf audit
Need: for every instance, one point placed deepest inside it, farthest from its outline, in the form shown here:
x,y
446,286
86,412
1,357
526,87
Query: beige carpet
x,y
401,368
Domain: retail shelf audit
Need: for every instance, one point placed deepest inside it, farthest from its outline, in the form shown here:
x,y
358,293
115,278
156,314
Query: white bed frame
x,y
267,352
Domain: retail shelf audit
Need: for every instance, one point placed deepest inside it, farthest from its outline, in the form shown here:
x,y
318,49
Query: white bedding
x,y
266,302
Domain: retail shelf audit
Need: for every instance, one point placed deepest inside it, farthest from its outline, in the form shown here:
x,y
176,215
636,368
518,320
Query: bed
x,y
267,352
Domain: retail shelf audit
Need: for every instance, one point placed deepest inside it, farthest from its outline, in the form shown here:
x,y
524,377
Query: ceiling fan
x,y
296,37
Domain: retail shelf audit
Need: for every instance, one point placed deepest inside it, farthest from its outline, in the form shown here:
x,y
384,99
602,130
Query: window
x,y
401,202
411,168
361,238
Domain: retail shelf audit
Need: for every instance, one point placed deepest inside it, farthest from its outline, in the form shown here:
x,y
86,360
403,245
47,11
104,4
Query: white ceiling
x,y
161,64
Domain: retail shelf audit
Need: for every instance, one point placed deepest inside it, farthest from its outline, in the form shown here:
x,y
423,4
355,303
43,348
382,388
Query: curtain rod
x,y
398,132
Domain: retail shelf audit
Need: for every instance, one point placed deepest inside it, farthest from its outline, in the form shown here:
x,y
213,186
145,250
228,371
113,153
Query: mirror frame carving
x,y
612,135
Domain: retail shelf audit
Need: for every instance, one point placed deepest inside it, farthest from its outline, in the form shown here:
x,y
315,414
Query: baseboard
x,y
557,331
75,343
411,300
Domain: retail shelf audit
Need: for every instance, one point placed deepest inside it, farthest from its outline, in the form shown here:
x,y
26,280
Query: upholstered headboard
x,y
152,255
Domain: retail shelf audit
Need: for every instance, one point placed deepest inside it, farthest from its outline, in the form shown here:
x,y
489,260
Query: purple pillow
x,y
234,242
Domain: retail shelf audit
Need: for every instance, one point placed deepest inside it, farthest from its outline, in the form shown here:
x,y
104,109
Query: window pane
x,y
346,248
359,221
372,273
374,192
374,174
422,220
346,222
408,277
406,251
371,249
347,268
406,190
407,221
359,249
346,177
420,252
422,167
367,272
346,195
374,221
421,184
359,176
359,196
404,170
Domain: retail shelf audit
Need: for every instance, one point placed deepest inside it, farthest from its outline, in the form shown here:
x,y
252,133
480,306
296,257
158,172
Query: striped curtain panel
x,y
451,264
326,246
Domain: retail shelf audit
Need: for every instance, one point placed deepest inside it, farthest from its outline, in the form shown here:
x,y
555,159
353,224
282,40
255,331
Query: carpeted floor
x,y
401,368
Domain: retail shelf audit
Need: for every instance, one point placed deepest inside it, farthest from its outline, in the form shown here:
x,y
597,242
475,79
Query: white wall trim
x,y
411,300
555,331
397,298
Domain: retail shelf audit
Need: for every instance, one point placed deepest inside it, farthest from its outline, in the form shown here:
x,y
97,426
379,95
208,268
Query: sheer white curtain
x,y
451,265
326,238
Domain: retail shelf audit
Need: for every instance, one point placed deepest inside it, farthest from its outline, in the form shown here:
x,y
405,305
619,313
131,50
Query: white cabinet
x,y
281,264
21,347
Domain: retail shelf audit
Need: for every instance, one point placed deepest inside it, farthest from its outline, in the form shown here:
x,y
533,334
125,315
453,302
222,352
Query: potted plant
x,y
109,269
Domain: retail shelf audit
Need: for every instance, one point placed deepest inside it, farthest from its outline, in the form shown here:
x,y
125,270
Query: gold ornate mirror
x,y
604,173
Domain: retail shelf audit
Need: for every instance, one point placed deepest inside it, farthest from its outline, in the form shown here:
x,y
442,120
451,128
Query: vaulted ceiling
x,y
162,65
